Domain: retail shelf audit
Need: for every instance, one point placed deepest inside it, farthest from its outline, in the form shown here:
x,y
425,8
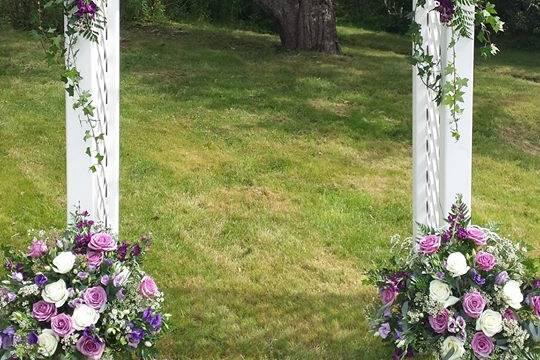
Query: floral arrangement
x,y
78,295
460,292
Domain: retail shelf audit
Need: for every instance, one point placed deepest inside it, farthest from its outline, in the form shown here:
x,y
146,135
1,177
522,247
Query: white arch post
x,y
442,166
99,66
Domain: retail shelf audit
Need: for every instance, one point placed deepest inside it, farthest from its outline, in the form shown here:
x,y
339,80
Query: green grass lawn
x,y
270,181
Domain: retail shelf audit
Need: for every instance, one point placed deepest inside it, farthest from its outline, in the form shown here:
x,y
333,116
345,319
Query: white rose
x,y
48,342
64,262
440,292
454,346
84,316
512,294
55,293
456,264
490,323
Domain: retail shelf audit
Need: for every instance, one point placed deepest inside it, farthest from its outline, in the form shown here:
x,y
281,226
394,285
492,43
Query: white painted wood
x,y
456,156
99,67
426,128
442,166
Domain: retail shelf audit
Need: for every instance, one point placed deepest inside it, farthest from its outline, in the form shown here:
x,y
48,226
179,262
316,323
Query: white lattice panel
x,y
99,67
441,166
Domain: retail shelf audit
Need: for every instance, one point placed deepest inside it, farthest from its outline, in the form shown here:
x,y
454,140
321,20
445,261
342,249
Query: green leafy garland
x,y
83,18
446,84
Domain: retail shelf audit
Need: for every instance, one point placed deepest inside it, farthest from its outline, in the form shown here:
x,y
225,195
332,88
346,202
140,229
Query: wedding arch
x,y
442,164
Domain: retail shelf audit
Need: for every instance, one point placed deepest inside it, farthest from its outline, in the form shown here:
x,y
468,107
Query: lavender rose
x,y
535,305
510,314
148,287
102,242
90,347
502,278
474,304
482,345
95,297
37,249
485,261
439,322
94,258
479,237
62,325
429,244
43,311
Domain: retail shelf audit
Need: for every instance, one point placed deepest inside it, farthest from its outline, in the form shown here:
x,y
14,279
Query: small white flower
x,y
490,323
512,294
64,262
48,342
452,345
441,293
55,293
456,264
84,316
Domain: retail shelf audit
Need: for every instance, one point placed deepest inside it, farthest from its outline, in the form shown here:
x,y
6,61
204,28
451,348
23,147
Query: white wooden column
x,y
455,166
97,192
441,165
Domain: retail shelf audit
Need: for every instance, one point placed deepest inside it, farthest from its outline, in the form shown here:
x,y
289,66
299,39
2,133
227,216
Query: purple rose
x,y
485,261
429,244
473,304
43,311
95,297
90,347
148,287
482,345
384,330
502,278
388,294
479,237
62,325
102,242
40,280
439,323
510,314
37,249
94,258
535,305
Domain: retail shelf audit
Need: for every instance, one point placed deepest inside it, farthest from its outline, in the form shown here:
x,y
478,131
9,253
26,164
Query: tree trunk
x,y
305,24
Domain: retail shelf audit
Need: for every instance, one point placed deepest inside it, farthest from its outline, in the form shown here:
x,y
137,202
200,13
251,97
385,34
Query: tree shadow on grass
x,y
364,94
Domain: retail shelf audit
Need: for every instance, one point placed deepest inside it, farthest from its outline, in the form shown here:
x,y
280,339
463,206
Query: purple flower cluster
x,y
86,7
446,9
153,320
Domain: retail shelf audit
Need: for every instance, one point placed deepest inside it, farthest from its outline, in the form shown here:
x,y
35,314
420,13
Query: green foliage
x,y
387,15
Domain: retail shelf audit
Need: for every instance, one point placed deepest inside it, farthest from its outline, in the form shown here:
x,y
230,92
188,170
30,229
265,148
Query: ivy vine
x,y
83,18
448,87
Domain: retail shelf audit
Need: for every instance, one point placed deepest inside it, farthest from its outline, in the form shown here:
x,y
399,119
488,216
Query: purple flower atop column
x,y
86,7
446,10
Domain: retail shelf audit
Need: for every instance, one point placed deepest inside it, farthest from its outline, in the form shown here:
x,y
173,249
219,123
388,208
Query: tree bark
x,y
305,24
